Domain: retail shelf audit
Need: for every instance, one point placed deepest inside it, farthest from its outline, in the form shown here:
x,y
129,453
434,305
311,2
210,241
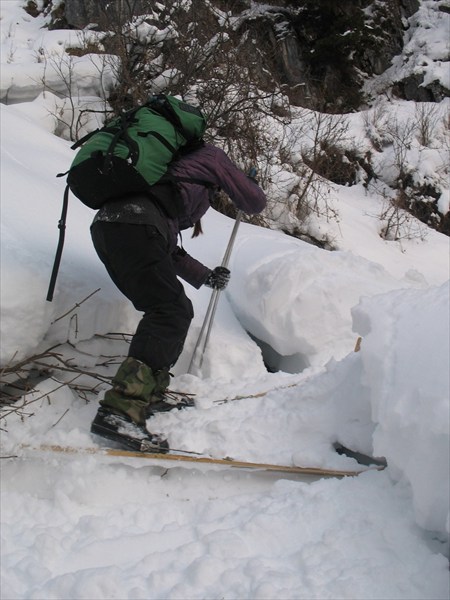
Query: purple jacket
x,y
212,165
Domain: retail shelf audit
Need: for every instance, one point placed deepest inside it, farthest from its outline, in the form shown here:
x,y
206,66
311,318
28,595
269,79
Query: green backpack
x,y
131,154
133,151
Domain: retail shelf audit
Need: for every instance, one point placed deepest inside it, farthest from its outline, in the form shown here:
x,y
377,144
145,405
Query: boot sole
x,y
128,442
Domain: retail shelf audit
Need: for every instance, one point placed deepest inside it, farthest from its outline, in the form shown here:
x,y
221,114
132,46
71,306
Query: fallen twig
x,y
77,305
60,418
18,409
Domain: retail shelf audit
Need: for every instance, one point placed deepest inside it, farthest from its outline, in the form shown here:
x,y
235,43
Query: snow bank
x,y
406,360
297,298
31,206
34,59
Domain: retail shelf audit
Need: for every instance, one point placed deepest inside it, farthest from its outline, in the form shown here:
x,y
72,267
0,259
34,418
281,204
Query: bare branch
x,y
77,305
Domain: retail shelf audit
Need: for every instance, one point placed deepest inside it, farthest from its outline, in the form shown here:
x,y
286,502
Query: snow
x,y
94,527
426,51
418,410
33,58
205,536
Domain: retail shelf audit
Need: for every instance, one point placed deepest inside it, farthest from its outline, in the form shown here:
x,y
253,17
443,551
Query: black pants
x,y
138,262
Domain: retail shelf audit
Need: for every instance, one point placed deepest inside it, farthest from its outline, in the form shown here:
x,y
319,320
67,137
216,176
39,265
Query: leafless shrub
x,y
19,383
374,121
71,112
415,196
181,49
401,134
21,386
427,119
321,165
398,223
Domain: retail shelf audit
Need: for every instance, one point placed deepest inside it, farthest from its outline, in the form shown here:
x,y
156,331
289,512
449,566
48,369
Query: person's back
x,y
211,164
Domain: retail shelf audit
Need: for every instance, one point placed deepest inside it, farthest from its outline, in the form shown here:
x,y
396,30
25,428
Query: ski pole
x,y
212,306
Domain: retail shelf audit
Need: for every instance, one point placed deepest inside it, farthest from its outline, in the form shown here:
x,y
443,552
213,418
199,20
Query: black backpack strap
x,y
161,139
121,131
85,138
59,249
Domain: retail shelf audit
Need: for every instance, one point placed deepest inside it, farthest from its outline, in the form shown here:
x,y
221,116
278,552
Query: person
x,y
137,241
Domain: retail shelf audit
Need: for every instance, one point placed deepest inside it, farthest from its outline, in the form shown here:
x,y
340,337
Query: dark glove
x,y
218,278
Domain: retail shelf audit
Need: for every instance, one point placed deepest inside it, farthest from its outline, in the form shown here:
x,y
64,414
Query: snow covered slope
x,y
95,528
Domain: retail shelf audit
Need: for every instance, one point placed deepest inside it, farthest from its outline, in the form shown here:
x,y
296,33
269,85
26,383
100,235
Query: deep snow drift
x,y
91,527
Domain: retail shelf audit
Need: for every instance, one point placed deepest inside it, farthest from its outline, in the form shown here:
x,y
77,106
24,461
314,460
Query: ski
x,y
360,457
171,459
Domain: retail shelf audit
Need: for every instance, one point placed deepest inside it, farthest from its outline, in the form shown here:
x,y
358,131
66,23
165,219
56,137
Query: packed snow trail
x,y
88,529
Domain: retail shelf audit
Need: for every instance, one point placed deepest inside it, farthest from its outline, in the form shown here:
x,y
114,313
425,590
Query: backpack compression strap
x,y
162,106
59,249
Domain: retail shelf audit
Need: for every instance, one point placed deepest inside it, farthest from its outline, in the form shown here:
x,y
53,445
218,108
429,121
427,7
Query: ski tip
x,y
361,458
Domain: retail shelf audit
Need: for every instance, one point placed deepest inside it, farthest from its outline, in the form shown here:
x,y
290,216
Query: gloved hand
x,y
252,173
218,278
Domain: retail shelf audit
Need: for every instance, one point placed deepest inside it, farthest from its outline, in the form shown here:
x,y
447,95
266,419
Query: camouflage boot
x,y
133,386
162,400
121,416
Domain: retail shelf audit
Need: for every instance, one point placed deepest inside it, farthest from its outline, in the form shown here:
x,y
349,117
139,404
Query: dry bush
x,y
397,221
198,61
427,118
19,382
71,112
323,162
374,122
412,196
